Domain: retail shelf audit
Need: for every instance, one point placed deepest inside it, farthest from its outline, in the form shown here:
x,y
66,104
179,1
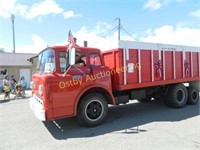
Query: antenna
x,y
13,29
119,27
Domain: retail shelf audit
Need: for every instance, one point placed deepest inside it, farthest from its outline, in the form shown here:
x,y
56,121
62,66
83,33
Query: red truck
x,y
82,81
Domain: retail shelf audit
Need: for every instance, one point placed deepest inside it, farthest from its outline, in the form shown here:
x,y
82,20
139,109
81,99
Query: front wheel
x,y
92,110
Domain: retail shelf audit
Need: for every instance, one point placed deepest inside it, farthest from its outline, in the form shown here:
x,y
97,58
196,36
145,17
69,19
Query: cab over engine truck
x,y
133,71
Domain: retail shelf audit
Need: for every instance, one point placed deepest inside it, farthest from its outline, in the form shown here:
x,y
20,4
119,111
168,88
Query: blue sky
x,y
39,23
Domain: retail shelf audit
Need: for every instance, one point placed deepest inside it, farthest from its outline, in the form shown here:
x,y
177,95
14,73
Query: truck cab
x,y
62,88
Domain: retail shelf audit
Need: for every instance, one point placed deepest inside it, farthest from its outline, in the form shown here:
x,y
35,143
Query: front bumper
x,y
37,107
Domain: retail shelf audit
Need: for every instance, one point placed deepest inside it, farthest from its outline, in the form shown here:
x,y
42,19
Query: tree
x,y
2,50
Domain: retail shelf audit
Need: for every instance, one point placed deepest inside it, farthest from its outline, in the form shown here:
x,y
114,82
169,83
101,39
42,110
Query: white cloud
x,y
181,24
44,8
152,5
171,35
102,28
157,4
195,13
96,37
179,35
71,14
21,9
37,45
39,9
94,40
7,7
102,36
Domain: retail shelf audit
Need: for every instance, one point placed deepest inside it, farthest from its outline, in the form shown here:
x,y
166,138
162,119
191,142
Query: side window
x,y
80,59
62,59
95,60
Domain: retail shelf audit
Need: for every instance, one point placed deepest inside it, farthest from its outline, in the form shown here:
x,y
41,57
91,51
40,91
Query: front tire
x,y
92,110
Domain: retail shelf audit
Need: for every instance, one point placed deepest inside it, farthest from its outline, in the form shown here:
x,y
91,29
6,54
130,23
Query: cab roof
x,y
85,49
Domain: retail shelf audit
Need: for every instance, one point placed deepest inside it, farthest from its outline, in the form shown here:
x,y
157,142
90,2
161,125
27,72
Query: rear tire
x,y
177,96
193,95
92,110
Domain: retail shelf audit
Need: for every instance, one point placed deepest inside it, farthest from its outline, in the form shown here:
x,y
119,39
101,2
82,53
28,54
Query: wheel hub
x,y
94,110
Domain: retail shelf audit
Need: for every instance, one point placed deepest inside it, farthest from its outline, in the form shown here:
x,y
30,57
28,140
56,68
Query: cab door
x,y
100,73
68,85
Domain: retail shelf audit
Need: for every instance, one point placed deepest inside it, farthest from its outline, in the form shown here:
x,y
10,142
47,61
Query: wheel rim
x,y
94,110
180,95
194,95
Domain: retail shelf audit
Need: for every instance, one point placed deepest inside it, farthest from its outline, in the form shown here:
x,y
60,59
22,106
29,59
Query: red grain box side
x,y
152,64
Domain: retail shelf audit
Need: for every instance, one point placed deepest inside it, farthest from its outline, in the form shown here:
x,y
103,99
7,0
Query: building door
x,y
27,75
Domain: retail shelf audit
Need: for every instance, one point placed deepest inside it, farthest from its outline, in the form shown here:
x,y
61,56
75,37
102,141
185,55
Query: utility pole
x,y
13,29
119,27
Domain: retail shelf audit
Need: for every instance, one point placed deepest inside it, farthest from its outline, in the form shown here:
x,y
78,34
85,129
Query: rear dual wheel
x,y
177,96
193,95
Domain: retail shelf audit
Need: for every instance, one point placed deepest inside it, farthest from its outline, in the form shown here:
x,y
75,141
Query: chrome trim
x,y
38,99
37,108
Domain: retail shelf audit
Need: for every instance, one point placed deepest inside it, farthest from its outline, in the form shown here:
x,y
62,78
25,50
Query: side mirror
x,y
72,56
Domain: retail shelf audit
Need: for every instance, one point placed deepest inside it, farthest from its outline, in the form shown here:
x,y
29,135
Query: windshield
x,y
46,61
63,56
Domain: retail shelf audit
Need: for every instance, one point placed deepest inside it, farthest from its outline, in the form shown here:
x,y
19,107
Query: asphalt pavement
x,y
136,126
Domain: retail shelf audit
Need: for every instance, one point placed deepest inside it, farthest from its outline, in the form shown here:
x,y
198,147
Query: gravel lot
x,y
136,126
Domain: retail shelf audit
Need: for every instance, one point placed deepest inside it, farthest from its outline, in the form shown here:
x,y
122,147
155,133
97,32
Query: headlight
x,y
40,89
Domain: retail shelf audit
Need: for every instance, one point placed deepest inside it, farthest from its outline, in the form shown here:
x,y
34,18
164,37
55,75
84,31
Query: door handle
x,y
88,70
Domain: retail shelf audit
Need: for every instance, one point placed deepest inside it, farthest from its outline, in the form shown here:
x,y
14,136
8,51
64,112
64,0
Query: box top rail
x,y
156,46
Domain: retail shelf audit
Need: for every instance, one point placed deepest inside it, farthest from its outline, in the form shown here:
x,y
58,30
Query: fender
x,y
88,88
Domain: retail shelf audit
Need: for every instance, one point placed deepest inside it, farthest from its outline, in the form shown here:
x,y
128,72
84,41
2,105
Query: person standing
x,y
13,83
6,87
24,84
